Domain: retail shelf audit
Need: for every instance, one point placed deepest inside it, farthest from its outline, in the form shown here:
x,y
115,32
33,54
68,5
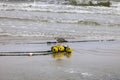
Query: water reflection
x,y
61,55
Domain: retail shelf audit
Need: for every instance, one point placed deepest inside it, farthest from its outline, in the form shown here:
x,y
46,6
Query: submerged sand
x,y
89,61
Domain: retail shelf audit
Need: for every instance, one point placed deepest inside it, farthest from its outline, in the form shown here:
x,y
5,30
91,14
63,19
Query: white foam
x,y
86,74
60,8
74,71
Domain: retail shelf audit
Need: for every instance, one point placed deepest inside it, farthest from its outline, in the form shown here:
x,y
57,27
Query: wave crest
x,y
62,21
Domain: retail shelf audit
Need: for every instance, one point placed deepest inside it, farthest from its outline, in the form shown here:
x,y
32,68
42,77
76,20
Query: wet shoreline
x,y
89,61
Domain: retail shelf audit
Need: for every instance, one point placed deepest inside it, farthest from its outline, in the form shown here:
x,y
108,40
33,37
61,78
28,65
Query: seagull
x,y
60,40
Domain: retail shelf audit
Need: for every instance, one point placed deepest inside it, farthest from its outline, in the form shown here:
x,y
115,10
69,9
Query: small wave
x,y
5,34
62,21
89,22
75,71
116,4
84,22
23,19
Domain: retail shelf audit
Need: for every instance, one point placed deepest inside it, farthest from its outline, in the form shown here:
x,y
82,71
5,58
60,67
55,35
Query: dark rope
x,y
37,53
54,42
28,53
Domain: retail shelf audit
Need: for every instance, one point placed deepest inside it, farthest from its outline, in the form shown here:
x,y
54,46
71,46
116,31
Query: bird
x,y
60,40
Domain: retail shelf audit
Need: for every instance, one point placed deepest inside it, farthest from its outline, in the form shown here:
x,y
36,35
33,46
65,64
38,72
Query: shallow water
x,y
89,61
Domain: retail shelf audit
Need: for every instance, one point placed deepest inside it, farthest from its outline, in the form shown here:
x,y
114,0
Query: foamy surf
x,y
44,19
59,8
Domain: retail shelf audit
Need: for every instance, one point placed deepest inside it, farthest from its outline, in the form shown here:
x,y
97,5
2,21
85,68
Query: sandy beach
x,y
89,61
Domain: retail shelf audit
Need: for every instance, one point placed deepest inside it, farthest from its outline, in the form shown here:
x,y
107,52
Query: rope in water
x,y
37,53
70,41
27,53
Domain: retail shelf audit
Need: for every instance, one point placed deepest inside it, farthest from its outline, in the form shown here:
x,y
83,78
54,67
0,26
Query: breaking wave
x,y
62,21
59,8
31,20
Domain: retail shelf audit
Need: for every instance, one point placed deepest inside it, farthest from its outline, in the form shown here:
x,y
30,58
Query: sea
x,y
47,19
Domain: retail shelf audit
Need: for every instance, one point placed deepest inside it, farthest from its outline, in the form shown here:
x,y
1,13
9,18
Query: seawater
x,y
49,19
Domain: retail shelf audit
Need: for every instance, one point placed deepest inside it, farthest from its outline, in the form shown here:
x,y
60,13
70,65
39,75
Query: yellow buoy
x,y
68,49
59,51
61,48
54,49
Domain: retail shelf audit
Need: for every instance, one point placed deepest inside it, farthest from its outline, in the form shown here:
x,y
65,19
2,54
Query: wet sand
x,y
89,61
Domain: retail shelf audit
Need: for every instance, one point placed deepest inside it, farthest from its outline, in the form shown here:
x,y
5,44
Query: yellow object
x,y
59,51
57,48
61,48
68,49
54,49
